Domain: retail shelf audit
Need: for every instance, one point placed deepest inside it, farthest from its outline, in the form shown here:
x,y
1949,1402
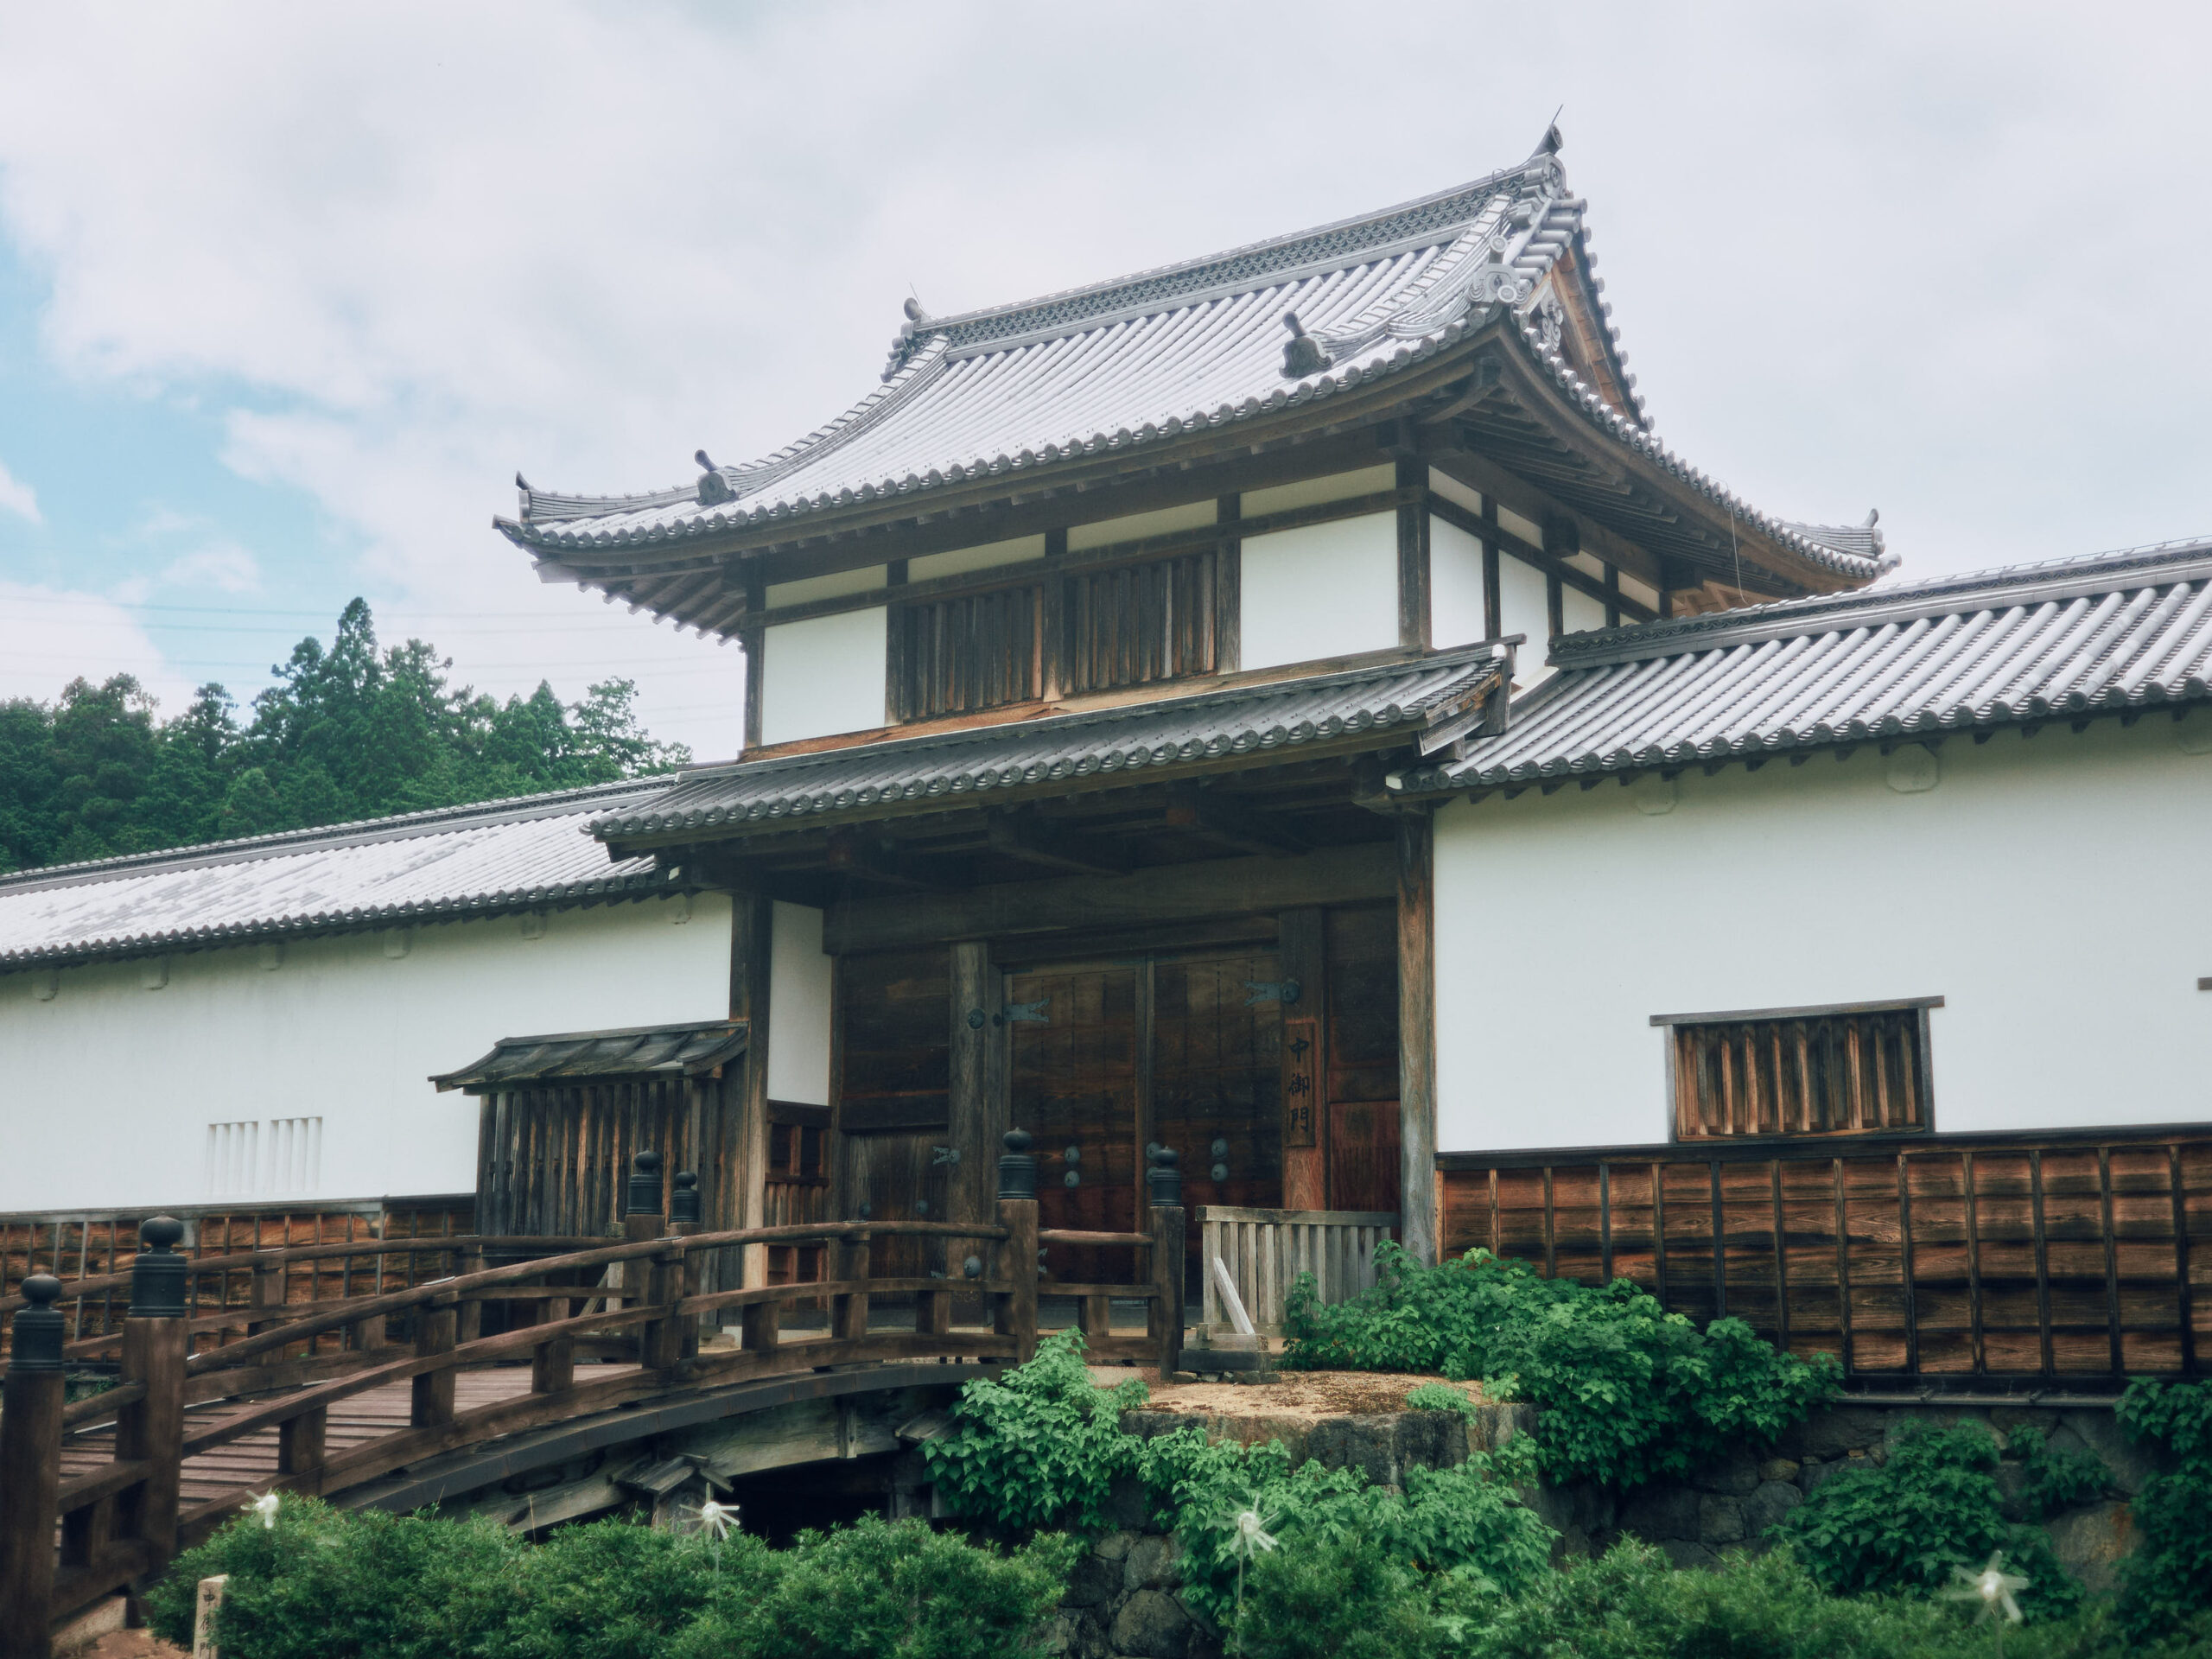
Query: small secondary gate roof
x,y
691,1050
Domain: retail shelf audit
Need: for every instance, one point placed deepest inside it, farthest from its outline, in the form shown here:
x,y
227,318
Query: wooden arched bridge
x,y
210,1410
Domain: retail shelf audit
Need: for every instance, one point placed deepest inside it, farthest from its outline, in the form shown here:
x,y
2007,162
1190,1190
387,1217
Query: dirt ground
x,y
131,1645
1305,1395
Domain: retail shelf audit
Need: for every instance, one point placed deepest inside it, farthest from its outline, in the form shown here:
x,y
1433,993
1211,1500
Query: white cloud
x,y
49,636
224,566
1934,257
17,497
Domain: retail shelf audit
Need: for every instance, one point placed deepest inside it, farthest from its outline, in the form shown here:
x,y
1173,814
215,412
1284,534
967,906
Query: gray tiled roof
x,y
1143,739
503,857
2110,633
638,1050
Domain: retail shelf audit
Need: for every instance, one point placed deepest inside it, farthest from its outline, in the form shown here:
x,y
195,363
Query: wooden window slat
x,y
1857,1073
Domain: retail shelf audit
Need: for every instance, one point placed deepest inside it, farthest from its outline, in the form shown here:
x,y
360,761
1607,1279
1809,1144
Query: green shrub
x,y
1348,1599
1903,1524
618,1589
2056,1480
2167,1583
1039,1446
886,1590
1628,1391
325,1584
1441,1396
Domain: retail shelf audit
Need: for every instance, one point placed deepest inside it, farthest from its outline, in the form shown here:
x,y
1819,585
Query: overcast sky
x,y
288,293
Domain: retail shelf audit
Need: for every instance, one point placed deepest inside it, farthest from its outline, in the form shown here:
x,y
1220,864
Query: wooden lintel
x,y
854,852
1029,837
1238,887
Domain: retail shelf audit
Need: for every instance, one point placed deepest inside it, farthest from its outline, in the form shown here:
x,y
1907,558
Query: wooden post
x,y
472,1312
1165,1314
154,1336
1015,1313
848,1312
30,1471
683,1205
1417,1035
974,1007
661,1343
753,921
268,1290
300,1450
553,1366
1412,558
761,1327
436,1325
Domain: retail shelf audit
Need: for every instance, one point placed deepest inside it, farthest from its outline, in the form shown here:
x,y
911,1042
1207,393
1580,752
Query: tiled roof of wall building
x,y
499,858
2112,632
1145,358
1134,741
688,1051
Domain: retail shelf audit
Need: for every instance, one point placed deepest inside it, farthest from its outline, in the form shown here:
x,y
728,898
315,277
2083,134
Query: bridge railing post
x,y
683,1209
268,1290
1015,1314
1163,1189
848,1312
30,1471
471,1312
155,1335
438,1326
641,1222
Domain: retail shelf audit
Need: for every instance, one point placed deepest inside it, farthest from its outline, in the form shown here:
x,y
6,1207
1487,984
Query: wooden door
x,y
1073,1079
1216,1077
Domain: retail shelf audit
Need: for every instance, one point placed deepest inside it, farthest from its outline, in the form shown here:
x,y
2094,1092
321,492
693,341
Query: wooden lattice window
x,y
1858,1070
1138,623
958,654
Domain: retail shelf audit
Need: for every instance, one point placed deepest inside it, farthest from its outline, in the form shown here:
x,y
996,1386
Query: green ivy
x,y
2056,1480
1628,1391
1932,1504
2167,1583
1441,1396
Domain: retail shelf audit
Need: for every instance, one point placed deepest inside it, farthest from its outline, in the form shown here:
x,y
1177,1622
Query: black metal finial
x,y
38,1325
644,1186
684,1202
1017,1167
1163,1180
158,1272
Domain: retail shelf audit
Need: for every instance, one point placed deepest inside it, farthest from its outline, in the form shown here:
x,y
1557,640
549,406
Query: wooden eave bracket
x,y
854,852
1232,823
1025,835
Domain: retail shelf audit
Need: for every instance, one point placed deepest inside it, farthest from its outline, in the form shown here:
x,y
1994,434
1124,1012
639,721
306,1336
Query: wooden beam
x,y
1169,892
1225,819
1029,837
854,852
1228,591
972,1125
753,921
1415,871
1414,630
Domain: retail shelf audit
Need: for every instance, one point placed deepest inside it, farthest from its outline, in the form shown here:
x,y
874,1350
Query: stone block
x,y
1779,1469
1153,1564
1681,1553
1720,1520
1734,1475
1151,1625
1661,1510
2130,1462
2011,1480
1835,1430
1114,1545
1765,1507
2090,1543
1075,1636
1094,1582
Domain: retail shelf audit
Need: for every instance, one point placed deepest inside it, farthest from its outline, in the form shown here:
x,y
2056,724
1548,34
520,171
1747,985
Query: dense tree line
x,y
354,731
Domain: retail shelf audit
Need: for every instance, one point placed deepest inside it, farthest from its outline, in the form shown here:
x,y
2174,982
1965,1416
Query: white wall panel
x,y
1525,607
962,560
823,675
1327,590
1578,613
1313,492
1103,532
108,1090
2043,888
799,991
836,585
1455,586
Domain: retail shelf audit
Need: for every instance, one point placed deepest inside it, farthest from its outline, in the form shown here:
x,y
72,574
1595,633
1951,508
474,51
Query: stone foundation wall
x,y
1124,1601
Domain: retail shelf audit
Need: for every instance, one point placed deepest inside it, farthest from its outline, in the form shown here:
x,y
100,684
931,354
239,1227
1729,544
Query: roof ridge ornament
x,y
714,487
912,332
1302,354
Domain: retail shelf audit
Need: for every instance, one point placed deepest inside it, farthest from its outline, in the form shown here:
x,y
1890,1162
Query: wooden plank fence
x,y
2028,1257
1265,1250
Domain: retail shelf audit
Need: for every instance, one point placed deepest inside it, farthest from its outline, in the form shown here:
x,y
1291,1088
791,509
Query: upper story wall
x,y
1390,556
2043,888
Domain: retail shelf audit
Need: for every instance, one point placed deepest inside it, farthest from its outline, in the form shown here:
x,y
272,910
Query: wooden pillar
x,y
471,1312
1167,1311
268,1290
31,1471
155,1335
1304,1071
1413,559
753,921
1017,1307
1228,591
1416,848
977,1071
431,1393
848,1312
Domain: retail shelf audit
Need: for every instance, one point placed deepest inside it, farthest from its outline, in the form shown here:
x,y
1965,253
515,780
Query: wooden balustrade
x,y
122,1520
1263,1251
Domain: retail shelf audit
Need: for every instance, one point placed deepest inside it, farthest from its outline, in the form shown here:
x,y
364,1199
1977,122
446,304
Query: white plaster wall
x,y
823,675
1104,532
2051,890
1578,613
799,991
1525,607
836,585
961,560
107,1090
1313,492
1455,586
1327,590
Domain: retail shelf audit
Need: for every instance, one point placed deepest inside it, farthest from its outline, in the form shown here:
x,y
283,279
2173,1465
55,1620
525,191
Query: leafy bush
x,y
1039,1446
325,1584
2056,1480
1904,1524
329,1585
1629,1392
1441,1396
886,1590
1347,1598
2168,1581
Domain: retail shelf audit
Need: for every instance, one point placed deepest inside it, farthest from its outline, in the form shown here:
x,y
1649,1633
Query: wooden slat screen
x,y
2022,1255
1863,1072
1139,623
955,656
